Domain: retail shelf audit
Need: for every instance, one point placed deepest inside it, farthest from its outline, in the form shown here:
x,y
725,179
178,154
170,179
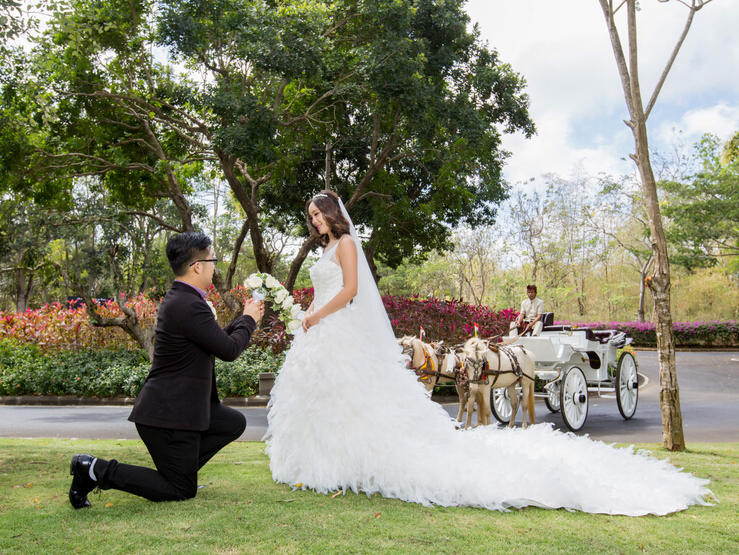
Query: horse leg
x,y
486,401
477,406
532,406
462,402
524,404
514,404
470,407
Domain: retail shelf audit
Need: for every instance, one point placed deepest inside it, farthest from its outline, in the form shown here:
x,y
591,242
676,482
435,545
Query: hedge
x,y
687,334
26,370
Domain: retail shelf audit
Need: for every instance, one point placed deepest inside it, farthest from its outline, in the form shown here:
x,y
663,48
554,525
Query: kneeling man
x,y
177,413
529,320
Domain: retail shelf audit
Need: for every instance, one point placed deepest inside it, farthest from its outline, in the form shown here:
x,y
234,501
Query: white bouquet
x,y
265,287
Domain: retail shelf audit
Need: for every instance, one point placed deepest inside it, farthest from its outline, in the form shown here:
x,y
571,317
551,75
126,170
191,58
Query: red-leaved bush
x,y
448,321
56,326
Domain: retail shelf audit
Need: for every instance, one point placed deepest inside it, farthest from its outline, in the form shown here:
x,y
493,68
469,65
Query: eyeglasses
x,y
213,260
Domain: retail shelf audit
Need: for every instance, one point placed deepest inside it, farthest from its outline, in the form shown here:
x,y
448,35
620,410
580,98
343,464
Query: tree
x,y
25,234
704,209
622,218
659,282
396,105
528,214
473,260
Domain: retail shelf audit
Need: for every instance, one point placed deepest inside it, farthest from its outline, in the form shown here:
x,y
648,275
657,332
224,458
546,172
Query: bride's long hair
x,y
328,203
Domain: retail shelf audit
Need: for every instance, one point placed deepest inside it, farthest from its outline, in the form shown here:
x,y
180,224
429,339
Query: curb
x,y
693,349
70,400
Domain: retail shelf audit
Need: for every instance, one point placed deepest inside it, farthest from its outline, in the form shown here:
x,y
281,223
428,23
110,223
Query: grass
x,y
242,511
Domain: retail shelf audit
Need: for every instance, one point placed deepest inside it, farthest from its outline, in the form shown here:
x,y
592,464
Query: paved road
x,y
709,394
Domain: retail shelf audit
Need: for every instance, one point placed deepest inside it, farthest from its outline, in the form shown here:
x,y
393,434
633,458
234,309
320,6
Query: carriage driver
x,y
529,320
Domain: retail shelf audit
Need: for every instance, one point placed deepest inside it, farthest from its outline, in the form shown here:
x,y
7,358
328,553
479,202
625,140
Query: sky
x,y
562,49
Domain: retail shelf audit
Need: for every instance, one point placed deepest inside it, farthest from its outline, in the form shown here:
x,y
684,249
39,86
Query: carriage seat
x,y
589,335
557,328
547,319
604,336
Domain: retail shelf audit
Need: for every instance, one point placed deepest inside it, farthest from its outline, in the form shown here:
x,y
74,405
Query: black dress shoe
x,y
82,484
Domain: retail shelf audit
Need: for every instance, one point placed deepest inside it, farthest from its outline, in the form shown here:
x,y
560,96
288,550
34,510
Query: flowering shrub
x,y
450,321
56,326
687,334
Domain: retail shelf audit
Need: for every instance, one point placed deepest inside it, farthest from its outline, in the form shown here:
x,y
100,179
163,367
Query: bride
x,y
346,414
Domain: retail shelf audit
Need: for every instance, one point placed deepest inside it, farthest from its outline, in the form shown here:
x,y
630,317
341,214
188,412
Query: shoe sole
x,y
71,473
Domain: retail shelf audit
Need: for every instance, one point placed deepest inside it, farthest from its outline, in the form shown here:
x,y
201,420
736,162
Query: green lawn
x,y
241,511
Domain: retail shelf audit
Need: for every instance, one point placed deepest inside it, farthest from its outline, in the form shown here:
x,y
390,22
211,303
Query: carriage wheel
x,y
574,399
627,385
500,404
552,398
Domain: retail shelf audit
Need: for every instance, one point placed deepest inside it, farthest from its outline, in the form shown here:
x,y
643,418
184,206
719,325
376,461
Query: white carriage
x,y
574,363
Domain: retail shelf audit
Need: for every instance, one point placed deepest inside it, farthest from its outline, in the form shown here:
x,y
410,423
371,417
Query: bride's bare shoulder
x,y
346,247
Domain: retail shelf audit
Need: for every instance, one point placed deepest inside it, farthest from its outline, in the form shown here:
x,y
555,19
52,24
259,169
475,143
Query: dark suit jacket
x,y
181,384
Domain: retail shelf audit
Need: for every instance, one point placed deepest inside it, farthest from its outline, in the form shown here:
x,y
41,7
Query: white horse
x,y
433,364
490,366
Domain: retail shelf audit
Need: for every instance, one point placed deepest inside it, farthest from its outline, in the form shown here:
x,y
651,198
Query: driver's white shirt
x,y
531,309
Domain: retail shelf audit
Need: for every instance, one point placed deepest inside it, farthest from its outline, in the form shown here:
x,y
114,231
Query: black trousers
x,y
177,455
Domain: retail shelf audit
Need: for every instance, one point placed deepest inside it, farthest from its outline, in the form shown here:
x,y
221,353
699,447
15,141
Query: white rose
x,y
272,283
288,302
293,325
212,308
295,310
253,281
280,296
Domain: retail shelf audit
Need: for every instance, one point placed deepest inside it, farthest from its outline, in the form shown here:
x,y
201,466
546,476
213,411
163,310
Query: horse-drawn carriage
x,y
573,362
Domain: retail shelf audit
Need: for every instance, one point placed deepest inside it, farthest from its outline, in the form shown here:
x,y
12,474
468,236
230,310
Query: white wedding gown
x,y
346,413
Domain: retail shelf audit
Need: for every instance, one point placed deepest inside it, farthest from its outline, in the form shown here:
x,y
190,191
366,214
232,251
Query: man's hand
x,y
255,309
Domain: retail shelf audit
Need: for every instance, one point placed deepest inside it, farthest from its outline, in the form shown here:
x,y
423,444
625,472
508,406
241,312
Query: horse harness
x,y
481,368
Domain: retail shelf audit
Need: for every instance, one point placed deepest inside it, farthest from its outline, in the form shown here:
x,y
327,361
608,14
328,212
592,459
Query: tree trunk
x,y
672,420
292,275
23,290
642,288
248,203
129,323
659,283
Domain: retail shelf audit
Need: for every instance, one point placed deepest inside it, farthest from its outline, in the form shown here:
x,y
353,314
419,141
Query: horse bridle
x,y
427,368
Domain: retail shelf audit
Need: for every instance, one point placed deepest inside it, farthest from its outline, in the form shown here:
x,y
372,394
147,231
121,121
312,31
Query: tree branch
x,y
668,66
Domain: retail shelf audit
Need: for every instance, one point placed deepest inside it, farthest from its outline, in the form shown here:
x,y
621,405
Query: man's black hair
x,y
532,288
184,248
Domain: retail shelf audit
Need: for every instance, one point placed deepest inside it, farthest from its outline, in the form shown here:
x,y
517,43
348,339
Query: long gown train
x,y
345,413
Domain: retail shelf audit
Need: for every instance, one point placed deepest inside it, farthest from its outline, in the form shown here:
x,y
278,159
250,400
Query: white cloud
x,y
721,120
563,51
